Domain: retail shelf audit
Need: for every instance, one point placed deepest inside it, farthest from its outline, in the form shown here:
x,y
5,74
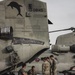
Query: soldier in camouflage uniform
x,y
22,70
32,71
53,70
46,67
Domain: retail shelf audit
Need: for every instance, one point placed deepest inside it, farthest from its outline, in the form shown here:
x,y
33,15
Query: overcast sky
x,y
62,14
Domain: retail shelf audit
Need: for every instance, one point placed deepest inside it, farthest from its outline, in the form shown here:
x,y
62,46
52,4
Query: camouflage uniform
x,y
46,68
53,67
21,71
50,62
31,72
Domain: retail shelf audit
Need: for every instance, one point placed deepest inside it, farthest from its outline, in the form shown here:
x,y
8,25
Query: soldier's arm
x,y
55,61
23,72
43,67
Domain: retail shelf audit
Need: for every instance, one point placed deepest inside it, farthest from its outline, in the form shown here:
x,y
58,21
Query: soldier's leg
x,y
50,71
54,72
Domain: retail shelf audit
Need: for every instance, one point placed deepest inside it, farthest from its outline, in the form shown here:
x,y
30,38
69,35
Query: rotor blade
x,y
72,28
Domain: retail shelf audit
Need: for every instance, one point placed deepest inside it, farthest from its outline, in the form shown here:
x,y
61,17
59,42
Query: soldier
x,y
22,71
45,67
32,71
53,65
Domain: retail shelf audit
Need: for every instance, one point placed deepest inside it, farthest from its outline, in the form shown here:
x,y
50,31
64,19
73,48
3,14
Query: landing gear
x,y
66,74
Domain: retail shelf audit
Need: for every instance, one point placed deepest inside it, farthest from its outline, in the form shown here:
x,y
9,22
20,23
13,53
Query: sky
x,y
62,14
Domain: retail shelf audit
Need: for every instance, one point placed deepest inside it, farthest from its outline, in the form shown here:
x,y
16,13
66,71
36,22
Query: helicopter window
x,y
6,32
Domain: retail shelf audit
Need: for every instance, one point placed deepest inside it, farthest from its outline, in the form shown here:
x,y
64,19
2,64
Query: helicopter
x,y
64,51
23,32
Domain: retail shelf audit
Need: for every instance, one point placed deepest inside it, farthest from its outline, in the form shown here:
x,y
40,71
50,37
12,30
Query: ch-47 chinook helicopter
x,y
64,50
23,32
